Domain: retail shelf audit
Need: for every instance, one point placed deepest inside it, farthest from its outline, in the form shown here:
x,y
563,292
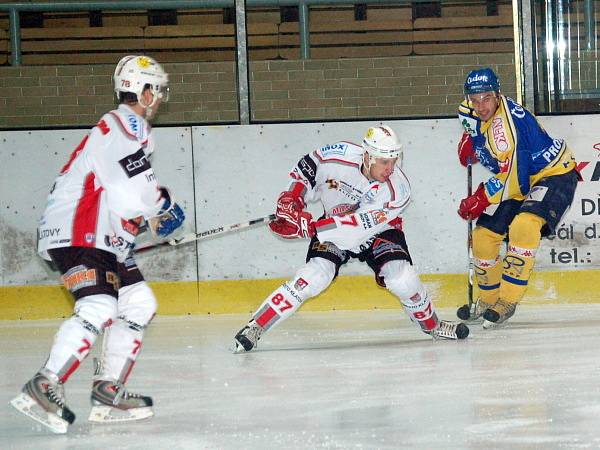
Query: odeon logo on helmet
x,y
481,80
477,77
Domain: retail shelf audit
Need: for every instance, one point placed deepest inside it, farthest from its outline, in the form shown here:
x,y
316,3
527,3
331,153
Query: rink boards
x,y
227,174
346,293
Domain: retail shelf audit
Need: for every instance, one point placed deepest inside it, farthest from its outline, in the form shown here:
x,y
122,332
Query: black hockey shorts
x,y
91,271
549,199
389,245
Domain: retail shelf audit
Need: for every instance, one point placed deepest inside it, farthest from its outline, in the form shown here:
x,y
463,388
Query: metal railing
x,y
240,6
14,8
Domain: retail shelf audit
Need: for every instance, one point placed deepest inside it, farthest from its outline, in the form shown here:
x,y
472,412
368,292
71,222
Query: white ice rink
x,y
339,380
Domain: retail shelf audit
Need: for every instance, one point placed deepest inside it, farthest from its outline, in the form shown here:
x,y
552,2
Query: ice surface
x,y
339,379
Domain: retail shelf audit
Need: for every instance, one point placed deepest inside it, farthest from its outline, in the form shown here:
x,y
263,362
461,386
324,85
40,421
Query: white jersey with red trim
x,y
356,208
107,180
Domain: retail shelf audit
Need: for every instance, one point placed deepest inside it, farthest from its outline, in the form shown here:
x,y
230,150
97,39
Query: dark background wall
x,y
281,90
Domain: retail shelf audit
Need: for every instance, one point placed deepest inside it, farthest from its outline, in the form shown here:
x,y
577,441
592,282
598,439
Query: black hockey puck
x,y
464,312
462,331
491,316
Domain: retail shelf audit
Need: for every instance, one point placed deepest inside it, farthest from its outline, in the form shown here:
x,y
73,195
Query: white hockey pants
x,y
402,280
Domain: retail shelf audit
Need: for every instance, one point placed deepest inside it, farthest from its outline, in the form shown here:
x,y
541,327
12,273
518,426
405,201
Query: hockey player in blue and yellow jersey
x,y
533,184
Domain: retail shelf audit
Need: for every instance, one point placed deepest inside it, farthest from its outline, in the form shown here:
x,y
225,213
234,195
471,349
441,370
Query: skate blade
x,y
487,325
237,348
28,406
444,338
108,414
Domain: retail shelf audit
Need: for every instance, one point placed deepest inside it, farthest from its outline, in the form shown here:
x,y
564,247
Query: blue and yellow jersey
x,y
514,146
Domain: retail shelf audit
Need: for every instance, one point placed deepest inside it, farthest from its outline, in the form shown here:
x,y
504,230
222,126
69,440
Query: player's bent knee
x,y
137,303
97,310
314,277
486,243
402,279
525,230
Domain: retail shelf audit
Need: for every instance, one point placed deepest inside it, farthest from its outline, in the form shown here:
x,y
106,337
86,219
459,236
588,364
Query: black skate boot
x,y
497,315
246,339
43,400
450,330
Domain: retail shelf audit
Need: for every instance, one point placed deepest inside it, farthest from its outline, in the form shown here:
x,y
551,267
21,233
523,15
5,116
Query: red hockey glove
x,y
289,206
472,206
134,226
466,152
303,228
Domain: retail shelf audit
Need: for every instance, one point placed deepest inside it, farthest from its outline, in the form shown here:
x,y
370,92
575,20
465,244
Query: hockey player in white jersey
x,y
363,192
103,196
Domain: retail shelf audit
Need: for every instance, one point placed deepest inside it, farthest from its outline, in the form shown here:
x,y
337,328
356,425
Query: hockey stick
x,y
465,311
470,239
209,233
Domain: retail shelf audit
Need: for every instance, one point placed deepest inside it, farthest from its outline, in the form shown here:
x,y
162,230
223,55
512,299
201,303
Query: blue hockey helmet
x,y
481,80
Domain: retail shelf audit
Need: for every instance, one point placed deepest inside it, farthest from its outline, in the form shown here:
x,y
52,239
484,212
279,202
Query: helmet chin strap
x,y
149,113
149,109
367,162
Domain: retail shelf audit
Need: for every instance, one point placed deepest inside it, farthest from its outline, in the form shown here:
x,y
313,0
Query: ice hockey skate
x,y
246,339
111,402
475,313
497,315
450,330
43,400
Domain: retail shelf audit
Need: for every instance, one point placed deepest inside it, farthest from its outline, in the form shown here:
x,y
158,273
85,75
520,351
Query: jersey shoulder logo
x,y
338,149
103,127
133,122
306,169
470,124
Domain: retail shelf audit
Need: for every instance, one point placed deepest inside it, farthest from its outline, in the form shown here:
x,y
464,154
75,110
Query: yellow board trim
x,y
346,293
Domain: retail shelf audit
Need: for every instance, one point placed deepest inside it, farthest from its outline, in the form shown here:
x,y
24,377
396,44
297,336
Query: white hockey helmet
x,y
134,72
382,142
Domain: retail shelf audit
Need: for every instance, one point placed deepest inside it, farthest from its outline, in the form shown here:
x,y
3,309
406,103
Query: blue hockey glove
x,y
170,217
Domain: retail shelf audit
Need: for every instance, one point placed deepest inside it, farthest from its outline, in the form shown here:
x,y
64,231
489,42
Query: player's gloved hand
x,y
472,206
466,151
289,206
170,217
304,227
175,219
134,226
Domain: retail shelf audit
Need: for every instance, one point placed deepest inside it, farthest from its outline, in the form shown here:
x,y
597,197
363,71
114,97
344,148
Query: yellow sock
x,y
524,239
488,270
